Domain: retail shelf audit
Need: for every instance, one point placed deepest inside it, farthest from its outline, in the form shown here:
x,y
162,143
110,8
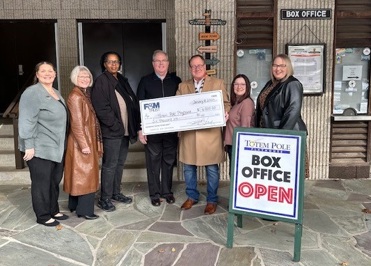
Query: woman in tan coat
x,y
84,147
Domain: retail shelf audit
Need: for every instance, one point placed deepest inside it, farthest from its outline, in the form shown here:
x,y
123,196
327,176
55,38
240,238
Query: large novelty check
x,y
182,112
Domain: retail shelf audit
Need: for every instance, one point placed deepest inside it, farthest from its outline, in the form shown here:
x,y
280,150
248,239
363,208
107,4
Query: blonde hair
x,y
76,71
289,68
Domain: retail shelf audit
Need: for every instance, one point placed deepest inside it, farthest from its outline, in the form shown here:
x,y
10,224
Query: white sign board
x,y
352,72
183,112
266,174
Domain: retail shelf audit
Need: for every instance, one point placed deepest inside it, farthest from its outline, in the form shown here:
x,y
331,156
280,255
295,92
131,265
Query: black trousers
x,y
161,156
45,179
83,204
115,152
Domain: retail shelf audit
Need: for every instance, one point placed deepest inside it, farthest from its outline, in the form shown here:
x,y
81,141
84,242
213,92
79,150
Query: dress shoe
x,y
170,198
88,217
156,202
60,216
188,204
122,198
72,210
106,205
52,223
210,208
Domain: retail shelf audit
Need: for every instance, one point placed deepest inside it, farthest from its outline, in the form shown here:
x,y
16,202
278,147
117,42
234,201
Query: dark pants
x,y
161,157
115,152
45,178
83,204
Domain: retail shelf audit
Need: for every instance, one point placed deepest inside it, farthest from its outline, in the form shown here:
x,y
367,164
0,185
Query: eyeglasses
x,y
111,62
239,84
83,77
197,66
278,66
161,61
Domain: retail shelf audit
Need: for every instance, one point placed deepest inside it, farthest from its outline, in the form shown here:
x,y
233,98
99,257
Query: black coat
x,y
107,108
151,87
282,108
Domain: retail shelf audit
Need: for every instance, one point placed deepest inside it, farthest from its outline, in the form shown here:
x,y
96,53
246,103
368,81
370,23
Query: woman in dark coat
x,y
279,103
81,174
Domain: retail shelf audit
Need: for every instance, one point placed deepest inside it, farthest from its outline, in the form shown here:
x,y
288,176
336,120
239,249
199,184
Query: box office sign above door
x,y
287,14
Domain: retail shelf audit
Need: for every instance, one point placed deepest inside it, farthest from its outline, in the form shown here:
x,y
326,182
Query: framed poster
x,y
308,61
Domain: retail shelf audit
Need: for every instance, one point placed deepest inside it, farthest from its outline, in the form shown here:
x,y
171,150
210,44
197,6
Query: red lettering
x,y
285,195
242,189
260,190
272,193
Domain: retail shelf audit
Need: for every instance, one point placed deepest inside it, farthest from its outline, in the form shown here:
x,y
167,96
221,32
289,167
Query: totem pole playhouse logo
x,y
152,107
266,174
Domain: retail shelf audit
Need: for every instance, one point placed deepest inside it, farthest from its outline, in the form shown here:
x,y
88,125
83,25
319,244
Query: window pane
x,y
351,84
255,64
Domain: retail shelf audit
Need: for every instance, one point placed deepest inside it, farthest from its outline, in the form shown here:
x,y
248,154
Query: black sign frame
x,y
305,14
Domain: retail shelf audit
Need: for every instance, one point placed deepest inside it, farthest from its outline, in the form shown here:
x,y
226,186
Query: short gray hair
x,y
76,71
159,52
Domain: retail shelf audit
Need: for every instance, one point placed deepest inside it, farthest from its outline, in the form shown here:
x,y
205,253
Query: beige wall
x,y
186,37
316,109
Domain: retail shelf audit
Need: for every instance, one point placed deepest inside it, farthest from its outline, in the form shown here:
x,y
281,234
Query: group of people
x,y
101,119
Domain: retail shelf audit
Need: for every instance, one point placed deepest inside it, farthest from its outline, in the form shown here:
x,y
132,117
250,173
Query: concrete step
x,y
6,129
11,176
136,158
6,143
7,158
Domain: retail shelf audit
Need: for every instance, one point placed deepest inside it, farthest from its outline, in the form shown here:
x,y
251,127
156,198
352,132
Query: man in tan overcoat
x,y
203,147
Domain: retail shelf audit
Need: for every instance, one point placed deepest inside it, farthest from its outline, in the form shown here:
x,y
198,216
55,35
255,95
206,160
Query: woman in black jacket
x,y
117,109
279,103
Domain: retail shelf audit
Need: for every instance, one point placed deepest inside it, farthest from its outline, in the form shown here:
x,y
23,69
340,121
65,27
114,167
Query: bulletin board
x,y
308,61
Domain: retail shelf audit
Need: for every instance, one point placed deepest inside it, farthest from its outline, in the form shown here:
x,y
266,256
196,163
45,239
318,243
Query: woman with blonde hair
x,y
84,147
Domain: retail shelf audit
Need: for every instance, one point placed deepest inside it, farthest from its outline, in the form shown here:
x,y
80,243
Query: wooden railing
x,y
12,112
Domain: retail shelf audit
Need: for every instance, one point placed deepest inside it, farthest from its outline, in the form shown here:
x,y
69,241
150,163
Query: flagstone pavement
x,y
336,231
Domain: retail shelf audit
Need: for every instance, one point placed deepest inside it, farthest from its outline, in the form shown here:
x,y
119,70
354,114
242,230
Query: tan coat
x,y
204,146
81,171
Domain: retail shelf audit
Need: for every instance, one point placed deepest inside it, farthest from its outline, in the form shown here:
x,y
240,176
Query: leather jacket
x,y
282,107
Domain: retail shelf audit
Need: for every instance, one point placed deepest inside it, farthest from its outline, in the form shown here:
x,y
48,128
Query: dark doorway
x,y
135,41
23,44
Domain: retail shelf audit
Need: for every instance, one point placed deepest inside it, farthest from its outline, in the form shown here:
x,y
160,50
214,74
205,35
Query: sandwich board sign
x,y
267,178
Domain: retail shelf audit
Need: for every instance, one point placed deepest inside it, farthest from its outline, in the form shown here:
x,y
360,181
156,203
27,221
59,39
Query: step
x,y
7,158
12,176
6,129
6,143
136,158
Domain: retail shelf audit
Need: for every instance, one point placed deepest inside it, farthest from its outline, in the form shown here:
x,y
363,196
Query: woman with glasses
x,y
279,102
117,109
84,147
242,111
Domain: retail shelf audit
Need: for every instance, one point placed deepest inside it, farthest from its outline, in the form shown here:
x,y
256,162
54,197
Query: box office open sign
x,y
266,174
